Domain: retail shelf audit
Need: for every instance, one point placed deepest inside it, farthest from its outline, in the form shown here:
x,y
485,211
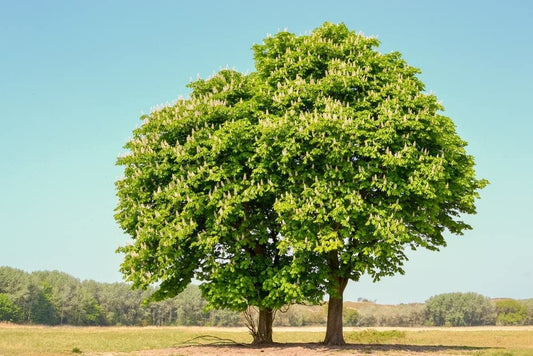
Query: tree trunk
x,y
334,335
264,327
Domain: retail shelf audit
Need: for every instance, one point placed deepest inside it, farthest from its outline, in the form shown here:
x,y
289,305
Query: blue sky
x,y
75,77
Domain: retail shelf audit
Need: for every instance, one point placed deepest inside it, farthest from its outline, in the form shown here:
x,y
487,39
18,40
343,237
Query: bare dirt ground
x,y
306,350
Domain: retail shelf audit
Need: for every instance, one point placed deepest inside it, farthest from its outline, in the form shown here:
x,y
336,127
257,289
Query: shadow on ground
x,y
286,349
388,347
366,347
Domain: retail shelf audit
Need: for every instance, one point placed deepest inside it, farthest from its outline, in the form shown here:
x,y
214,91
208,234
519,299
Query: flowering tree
x,y
282,185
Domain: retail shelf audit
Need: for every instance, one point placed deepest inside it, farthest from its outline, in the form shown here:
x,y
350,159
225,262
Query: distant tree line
x,y
449,309
56,298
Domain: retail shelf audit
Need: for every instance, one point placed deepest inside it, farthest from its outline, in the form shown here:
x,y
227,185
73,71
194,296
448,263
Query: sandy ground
x,y
300,349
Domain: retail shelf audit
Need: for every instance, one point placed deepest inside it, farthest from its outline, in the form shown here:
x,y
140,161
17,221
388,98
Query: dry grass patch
x,y
27,340
172,341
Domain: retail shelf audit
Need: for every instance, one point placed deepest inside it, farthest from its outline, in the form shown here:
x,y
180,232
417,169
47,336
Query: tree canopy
x,y
281,185
460,309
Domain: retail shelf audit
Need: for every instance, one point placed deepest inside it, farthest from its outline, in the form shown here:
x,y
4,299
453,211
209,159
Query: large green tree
x,y
198,204
366,163
284,184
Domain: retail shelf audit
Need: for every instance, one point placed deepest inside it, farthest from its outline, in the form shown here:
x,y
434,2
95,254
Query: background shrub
x,y
459,309
510,312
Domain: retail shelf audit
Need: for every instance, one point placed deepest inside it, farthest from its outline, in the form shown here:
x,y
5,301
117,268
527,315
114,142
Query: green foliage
x,y
191,307
350,317
15,283
459,309
281,185
53,298
61,291
362,161
222,318
510,312
529,304
42,306
93,303
8,310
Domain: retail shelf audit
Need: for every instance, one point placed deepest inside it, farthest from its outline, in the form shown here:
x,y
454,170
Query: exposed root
x,y
210,340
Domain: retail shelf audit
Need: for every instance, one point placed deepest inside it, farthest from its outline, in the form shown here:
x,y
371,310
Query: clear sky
x,y
76,75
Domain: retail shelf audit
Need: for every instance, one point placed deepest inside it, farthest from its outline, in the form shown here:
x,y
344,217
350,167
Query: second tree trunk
x,y
264,327
334,335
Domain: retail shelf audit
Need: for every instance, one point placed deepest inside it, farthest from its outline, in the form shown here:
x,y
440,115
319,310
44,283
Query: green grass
x,y
493,342
454,340
371,336
37,340
27,340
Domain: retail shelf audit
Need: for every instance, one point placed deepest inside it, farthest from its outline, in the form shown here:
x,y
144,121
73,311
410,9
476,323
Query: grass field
x,y
37,340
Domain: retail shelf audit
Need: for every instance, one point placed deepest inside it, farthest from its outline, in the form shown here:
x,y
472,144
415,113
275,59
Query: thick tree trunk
x,y
334,335
264,327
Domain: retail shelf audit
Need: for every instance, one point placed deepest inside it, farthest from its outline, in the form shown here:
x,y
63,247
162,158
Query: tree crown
x,y
325,163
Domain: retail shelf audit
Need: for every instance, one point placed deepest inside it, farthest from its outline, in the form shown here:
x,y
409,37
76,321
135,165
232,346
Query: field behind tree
x,y
45,340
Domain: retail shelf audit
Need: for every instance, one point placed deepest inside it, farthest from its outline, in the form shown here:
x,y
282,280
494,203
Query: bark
x,y
264,327
334,335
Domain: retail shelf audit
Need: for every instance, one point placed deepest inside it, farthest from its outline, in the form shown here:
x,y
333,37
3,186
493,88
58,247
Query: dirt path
x,y
309,349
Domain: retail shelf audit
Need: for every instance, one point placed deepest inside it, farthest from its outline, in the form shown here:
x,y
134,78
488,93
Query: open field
x,y
163,341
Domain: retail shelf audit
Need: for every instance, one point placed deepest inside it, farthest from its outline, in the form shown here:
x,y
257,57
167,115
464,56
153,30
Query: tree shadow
x,y
283,348
229,347
366,348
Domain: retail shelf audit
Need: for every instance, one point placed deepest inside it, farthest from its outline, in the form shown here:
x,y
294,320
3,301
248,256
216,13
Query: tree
x,y
196,204
8,310
62,291
529,305
15,283
459,309
510,312
42,309
351,317
85,308
282,185
363,162
190,307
